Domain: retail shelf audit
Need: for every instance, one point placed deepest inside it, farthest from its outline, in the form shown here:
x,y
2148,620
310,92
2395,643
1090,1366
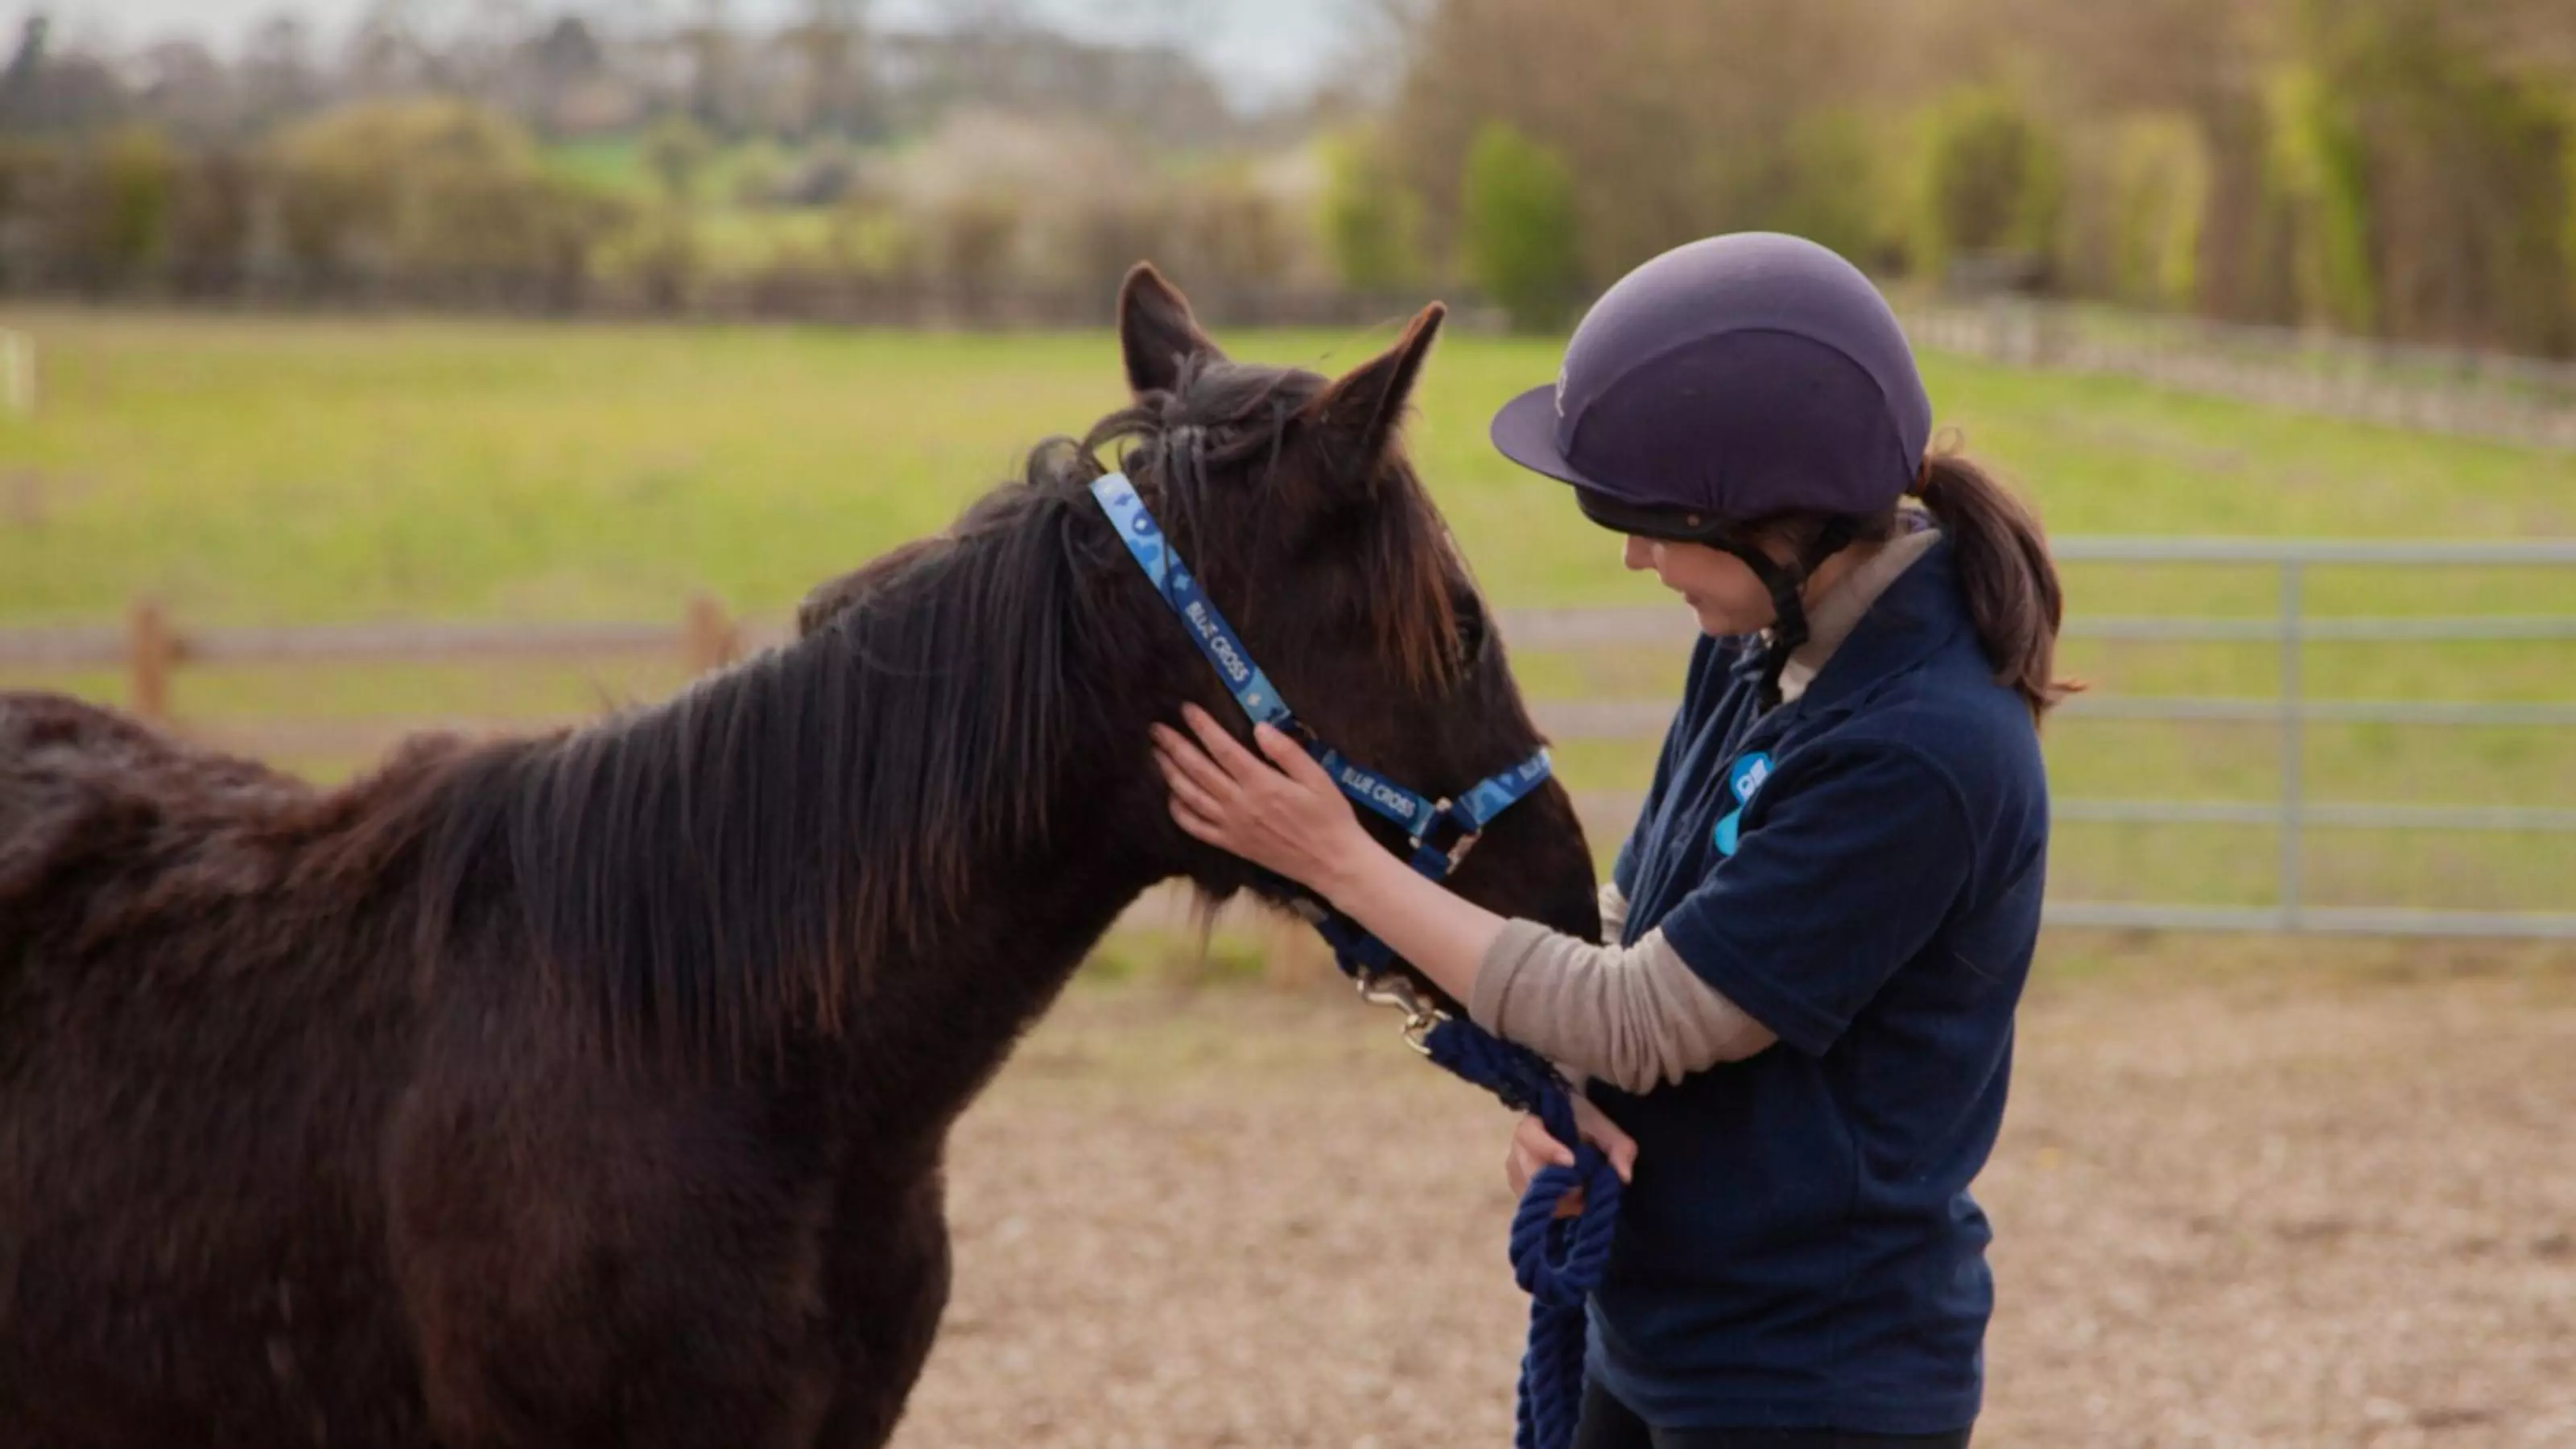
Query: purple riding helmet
x,y
1722,384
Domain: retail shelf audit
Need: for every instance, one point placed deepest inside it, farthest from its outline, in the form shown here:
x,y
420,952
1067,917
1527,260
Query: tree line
x,y
563,159
2403,169
2395,168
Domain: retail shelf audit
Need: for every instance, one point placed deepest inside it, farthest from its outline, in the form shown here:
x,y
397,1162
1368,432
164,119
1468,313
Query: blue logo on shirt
x,y
1743,778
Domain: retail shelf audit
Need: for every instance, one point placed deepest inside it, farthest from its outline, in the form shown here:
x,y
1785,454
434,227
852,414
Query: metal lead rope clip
x,y
1389,989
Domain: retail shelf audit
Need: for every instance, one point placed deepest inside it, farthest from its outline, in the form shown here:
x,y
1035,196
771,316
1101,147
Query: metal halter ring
x,y
1445,812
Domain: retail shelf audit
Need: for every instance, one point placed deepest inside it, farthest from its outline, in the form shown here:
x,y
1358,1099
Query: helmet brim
x,y
1524,430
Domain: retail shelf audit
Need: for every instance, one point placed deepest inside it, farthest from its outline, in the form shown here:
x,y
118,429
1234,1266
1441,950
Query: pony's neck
x,y
931,1019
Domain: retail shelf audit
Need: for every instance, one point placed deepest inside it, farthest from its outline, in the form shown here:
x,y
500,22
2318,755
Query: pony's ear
x,y
1157,332
1357,417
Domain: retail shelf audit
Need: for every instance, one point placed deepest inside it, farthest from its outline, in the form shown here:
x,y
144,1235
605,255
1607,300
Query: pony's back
x,y
84,791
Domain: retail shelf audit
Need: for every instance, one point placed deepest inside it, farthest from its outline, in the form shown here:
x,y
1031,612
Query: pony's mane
x,y
698,876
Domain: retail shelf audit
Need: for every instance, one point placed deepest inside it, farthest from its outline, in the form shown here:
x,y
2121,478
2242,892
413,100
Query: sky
x,y
1268,48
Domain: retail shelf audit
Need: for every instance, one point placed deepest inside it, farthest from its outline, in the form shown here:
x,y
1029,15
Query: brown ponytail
x,y
2005,569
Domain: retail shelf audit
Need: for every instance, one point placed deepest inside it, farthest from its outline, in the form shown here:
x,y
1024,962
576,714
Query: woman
x,y
1799,1038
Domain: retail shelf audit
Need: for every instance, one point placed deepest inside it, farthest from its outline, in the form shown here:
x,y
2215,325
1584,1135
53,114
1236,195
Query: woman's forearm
x,y
1636,1017
1445,936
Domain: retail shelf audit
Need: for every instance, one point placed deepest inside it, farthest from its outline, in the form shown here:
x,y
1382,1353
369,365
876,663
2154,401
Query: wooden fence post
x,y
708,639
150,650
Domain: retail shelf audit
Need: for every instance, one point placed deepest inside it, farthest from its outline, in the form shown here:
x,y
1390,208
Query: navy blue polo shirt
x,y
1859,869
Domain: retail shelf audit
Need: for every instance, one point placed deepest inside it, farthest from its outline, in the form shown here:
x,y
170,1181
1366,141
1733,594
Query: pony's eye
x,y
1470,612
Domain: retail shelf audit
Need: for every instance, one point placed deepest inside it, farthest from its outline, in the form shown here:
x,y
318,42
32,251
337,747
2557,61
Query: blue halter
x,y
1557,1261
1438,833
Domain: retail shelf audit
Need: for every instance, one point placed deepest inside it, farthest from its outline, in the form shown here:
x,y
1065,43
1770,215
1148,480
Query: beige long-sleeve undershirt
x,y
1637,1016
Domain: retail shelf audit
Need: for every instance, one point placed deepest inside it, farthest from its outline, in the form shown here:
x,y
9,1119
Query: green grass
x,y
608,163
265,471
621,165
734,235
295,471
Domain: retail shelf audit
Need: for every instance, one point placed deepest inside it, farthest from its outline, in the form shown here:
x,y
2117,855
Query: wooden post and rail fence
x,y
152,647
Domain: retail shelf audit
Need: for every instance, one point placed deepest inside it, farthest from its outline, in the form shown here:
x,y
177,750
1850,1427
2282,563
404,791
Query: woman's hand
x,y
1534,1147
1284,814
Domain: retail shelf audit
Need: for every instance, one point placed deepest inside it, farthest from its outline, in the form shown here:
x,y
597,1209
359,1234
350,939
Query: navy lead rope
x,y
1557,1261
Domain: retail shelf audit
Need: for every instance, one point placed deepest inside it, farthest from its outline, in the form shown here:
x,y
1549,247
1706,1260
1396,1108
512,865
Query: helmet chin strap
x,y
1787,585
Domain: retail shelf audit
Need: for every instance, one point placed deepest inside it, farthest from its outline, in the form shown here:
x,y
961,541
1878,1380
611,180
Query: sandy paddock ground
x,y
2271,1193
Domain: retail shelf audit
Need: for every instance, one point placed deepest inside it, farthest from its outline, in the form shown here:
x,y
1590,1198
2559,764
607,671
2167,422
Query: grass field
x,y
266,471
288,471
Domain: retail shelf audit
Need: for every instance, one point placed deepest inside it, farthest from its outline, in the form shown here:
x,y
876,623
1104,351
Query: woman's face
x,y
1724,593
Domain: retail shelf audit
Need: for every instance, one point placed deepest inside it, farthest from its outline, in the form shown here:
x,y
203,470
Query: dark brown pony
x,y
591,1089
